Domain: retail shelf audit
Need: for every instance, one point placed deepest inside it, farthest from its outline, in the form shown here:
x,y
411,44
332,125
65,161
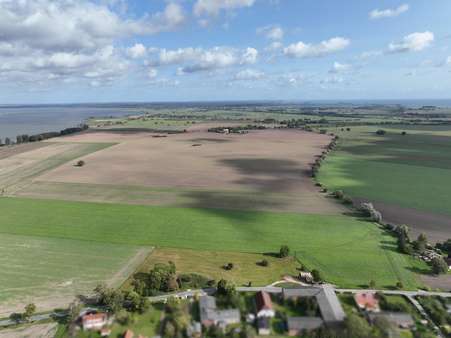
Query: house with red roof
x,y
367,301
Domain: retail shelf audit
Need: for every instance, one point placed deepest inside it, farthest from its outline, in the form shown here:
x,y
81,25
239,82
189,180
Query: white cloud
x,y
413,42
137,51
68,41
152,73
340,68
199,59
389,13
303,50
213,7
249,56
275,33
249,74
274,46
448,60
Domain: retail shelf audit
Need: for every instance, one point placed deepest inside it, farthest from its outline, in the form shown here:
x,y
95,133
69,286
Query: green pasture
x,y
412,171
348,251
50,268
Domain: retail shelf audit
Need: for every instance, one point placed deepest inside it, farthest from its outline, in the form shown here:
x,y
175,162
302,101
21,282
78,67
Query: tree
x,y
439,266
381,132
30,309
80,163
264,262
284,251
421,243
372,284
357,327
445,247
316,275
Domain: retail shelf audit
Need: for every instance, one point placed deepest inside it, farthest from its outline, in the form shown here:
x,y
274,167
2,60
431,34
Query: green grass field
x,y
348,252
412,171
54,269
246,267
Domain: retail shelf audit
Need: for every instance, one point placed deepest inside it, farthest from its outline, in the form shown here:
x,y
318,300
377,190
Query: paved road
x,y
399,292
35,318
425,315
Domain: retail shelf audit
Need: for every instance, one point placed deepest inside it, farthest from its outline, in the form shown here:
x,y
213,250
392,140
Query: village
x,y
297,311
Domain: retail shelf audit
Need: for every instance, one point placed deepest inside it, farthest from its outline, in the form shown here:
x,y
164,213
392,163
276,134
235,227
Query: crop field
x,y
20,168
52,271
406,176
264,170
313,238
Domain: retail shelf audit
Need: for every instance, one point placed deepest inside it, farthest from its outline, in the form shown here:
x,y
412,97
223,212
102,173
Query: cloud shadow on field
x,y
260,177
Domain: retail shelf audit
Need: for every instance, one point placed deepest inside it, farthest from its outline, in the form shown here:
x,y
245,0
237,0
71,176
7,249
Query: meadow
x,y
406,175
341,247
52,271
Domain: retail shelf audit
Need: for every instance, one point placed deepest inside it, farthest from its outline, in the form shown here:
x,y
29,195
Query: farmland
x,y
406,176
312,237
51,271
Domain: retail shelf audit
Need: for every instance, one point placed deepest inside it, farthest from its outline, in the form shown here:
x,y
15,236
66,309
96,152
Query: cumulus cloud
x,y
137,51
275,33
413,42
68,40
199,59
389,13
213,7
249,75
340,68
305,50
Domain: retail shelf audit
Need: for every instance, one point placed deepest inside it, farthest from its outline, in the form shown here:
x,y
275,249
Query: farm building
x,y
264,305
211,315
297,325
401,320
331,311
367,301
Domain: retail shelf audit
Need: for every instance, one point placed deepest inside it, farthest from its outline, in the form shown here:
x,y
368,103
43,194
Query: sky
x,y
69,51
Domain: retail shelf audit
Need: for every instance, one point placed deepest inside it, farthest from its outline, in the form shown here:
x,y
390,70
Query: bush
x,y
338,194
347,200
229,266
439,266
284,251
316,276
80,163
369,211
381,132
264,262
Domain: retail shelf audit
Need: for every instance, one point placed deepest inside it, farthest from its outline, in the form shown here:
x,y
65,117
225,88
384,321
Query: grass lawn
x,y
411,171
347,251
54,270
246,267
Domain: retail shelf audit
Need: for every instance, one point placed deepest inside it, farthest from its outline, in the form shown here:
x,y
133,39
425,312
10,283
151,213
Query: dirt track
x,y
258,163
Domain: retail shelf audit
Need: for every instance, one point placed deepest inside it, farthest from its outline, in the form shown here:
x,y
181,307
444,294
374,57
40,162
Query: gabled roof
x,y
304,323
367,301
94,317
263,300
329,305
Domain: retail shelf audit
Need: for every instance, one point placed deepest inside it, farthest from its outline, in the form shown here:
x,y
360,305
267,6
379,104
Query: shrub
x,y
284,251
439,266
264,262
347,200
80,163
229,266
381,132
316,276
369,211
338,194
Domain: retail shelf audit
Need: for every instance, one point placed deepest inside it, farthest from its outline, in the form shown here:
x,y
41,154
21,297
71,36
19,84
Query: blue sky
x,y
181,50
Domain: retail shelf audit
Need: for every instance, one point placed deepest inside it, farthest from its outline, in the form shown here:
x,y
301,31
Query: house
x,y
401,320
331,311
94,321
264,305
128,334
211,315
297,325
264,326
367,301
